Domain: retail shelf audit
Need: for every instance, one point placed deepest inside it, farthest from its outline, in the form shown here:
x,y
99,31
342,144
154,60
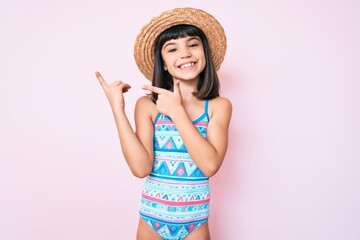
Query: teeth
x,y
187,65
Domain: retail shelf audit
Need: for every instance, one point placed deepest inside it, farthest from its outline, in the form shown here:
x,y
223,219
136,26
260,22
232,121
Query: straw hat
x,y
145,41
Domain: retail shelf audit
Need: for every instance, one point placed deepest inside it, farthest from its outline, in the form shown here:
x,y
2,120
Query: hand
x,y
114,91
168,102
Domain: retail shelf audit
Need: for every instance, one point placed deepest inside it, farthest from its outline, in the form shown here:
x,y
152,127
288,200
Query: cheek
x,y
203,62
168,62
165,64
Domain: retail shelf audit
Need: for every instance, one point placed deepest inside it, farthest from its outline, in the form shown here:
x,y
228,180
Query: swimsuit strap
x,y
206,105
206,108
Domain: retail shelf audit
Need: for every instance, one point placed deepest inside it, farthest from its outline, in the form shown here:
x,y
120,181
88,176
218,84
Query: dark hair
x,y
208,86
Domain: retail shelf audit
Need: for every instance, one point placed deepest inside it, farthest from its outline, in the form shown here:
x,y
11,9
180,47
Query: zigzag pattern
x,y
178,213
176,195
173,231
178,169
168,139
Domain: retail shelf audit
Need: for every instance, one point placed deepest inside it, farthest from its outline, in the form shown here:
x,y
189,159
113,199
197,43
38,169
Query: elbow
x,y
141,173
211,171
212,167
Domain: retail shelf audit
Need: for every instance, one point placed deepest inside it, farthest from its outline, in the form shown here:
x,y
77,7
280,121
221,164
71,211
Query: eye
x,y
172,50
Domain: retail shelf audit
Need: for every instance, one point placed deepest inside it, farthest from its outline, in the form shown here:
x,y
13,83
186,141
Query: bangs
x,y
208,85
179,31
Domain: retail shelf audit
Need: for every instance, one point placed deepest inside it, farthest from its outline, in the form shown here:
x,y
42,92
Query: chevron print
x,y
172,166
176,194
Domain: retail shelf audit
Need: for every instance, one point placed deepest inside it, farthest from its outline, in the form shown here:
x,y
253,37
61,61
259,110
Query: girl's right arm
x,y
137,147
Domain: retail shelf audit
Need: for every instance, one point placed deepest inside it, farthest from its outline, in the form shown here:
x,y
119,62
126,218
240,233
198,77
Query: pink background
x,y
292,71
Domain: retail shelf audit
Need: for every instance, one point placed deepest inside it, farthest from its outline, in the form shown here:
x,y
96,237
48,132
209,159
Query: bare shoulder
x,y
220,106
222,101
145,106
144,100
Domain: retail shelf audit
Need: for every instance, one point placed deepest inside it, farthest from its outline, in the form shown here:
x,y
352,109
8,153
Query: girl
x,y
181,128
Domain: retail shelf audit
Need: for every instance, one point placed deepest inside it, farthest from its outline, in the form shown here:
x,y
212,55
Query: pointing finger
x,y
101,79
154,89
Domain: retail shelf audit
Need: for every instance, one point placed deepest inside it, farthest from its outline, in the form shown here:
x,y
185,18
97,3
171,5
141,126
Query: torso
x,y
176,194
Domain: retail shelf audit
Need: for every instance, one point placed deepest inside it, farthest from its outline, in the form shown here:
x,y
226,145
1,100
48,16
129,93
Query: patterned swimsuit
x,y
176,194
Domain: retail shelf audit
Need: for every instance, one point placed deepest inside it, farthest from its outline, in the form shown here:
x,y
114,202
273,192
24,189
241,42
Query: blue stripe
x,y
158,149
172,223
206,105
183,179
157,118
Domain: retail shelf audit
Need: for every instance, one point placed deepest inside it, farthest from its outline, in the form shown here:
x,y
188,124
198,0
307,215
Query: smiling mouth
x,y
187,65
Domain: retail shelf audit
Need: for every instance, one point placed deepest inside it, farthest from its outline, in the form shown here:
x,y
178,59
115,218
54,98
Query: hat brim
x,y
145,41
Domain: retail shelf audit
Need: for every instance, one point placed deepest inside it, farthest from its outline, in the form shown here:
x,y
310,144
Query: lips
x,y
187,65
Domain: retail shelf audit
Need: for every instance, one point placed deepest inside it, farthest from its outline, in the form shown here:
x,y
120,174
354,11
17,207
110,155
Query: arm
x,y
213,148
136,148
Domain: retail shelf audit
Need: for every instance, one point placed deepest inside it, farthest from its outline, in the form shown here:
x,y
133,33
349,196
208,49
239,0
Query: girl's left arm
x,y
209,153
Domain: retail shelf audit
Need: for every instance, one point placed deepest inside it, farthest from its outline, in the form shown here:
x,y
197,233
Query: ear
x,y
165,67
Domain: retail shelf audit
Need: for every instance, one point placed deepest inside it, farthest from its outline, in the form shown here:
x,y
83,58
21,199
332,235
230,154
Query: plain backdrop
x,y
292,72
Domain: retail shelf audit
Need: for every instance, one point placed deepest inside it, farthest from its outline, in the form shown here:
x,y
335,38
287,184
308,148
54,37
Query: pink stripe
x,y
182,183
201,124
172,220
164,122
175,203
168,122
173,159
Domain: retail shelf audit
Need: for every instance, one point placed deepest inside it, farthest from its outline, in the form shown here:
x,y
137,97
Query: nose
x,y
185,53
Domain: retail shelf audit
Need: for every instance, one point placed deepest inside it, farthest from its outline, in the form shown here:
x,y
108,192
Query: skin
x,y
181,52
182,107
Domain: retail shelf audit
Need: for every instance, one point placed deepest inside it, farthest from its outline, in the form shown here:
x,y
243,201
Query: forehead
x,y
182,39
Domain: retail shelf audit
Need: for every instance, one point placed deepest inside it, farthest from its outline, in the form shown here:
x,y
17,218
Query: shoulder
x,y
144,100
145,106
220,103
220,107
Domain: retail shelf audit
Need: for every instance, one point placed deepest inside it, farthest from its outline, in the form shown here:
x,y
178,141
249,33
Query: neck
x,y
187,88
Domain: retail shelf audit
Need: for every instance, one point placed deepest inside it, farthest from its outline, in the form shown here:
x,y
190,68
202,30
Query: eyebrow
x,y
188,40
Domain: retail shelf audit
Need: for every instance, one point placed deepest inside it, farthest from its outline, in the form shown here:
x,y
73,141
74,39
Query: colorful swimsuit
x,y
176,194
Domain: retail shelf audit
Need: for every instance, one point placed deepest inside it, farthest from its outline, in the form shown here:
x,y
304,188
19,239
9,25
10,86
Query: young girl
x,y
181,128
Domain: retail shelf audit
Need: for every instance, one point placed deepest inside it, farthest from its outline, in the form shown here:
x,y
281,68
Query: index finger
x,y
154,89
101,79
